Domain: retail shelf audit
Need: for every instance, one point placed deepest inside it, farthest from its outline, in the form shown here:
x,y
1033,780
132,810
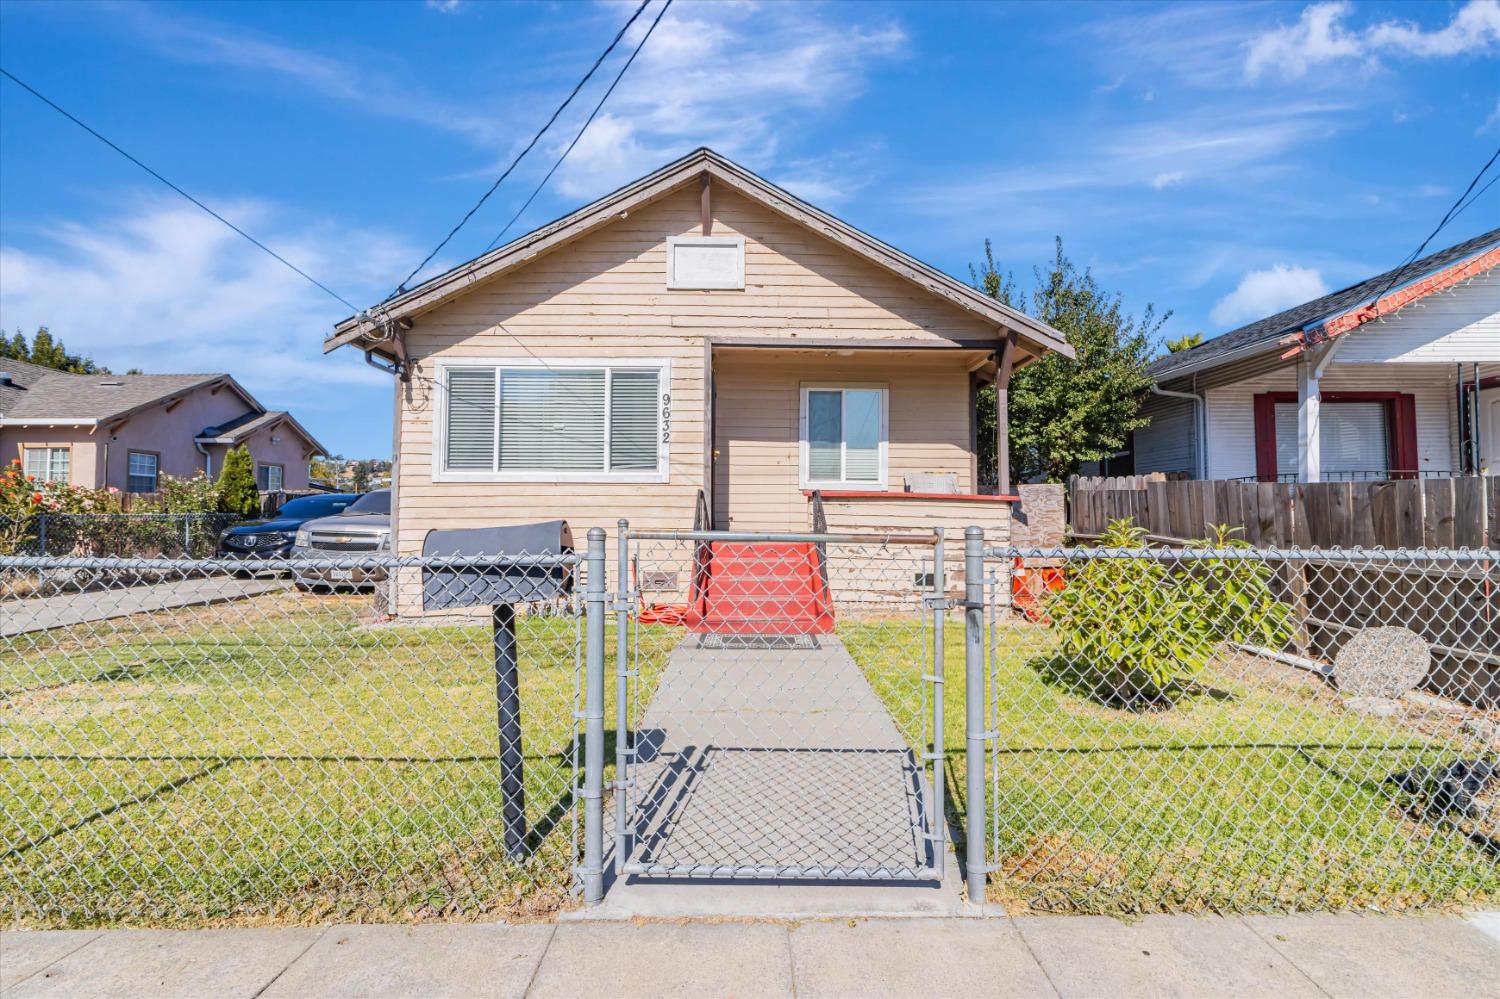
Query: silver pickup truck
x,y
361,528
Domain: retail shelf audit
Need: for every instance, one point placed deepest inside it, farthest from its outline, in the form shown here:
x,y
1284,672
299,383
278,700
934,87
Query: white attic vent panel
x,y
704,262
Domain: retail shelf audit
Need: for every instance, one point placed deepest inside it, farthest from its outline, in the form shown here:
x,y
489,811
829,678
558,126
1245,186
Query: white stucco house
x,y
1397,376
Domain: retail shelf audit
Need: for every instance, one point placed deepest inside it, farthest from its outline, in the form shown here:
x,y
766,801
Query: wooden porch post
x,y
1002,415
1309,453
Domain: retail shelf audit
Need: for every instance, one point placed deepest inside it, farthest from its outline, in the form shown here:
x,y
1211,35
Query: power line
x,y
589,121
1447,217
1477,195
400,288
263,247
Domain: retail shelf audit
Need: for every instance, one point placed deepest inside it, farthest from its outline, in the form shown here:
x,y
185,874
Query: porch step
x,y
759,588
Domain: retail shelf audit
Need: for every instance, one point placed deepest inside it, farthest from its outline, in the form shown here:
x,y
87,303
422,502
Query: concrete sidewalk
x,y
1311,955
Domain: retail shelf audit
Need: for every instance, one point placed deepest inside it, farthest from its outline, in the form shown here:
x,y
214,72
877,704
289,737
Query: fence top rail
x,y
232,565
128,515
929,539
1256,554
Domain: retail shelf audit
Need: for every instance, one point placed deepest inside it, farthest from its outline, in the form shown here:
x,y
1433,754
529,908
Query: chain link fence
x,y
1238,730
128,535
183,746
1104,730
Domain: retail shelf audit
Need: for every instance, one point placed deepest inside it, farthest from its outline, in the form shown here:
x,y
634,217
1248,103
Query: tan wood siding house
x,y
785,351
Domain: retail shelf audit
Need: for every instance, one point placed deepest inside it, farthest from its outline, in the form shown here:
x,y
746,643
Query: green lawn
x,y
275,760
1258,793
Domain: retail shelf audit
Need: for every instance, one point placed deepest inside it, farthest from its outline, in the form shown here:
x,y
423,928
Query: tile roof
x,y
1264,333
44,394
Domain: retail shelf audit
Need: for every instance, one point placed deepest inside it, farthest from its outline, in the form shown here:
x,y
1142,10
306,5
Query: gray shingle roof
x,y
43,394
244,424
1265,332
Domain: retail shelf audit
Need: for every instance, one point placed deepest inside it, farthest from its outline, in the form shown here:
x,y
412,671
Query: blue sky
x,y
1219,160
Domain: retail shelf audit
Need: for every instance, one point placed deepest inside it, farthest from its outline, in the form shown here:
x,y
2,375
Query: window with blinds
x,y
843,437
574,422
140,472
1353,439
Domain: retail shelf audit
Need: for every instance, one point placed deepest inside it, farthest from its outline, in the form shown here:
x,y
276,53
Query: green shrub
x,y
237,491
1138,631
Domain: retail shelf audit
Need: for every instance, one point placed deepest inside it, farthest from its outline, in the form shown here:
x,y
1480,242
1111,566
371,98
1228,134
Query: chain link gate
x,y
780,706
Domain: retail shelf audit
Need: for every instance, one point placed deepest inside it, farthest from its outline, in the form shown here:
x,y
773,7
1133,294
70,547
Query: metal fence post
x,y
593,712
623,599
974,709
939,739
187,536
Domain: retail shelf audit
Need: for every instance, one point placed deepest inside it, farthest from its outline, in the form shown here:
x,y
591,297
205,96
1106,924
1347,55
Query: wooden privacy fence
x,y
1461,512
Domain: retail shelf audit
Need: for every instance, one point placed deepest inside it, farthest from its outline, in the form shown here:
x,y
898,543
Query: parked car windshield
x,y
308,507
377,502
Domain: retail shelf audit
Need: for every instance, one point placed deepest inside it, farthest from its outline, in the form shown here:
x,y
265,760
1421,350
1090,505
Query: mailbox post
x,y
510,565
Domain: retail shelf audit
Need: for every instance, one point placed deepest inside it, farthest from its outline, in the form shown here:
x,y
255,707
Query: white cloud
x,y
731,76
164,287
1266,292
1169,178
445,6
1321,36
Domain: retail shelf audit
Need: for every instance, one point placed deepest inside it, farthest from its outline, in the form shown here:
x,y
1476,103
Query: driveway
x,y
32,614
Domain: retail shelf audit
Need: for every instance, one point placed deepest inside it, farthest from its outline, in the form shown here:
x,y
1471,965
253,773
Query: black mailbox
x,y
512,565
531,576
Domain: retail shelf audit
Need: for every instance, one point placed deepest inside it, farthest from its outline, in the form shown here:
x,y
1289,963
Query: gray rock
x,y
1381,663
1482,729
1379,707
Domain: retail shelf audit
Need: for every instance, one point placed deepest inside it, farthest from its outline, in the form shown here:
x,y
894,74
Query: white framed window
x,y
47,464
268,478
844,436
140,472
705,262
564,420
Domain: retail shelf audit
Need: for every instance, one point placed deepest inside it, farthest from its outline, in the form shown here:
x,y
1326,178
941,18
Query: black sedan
x,y
273,538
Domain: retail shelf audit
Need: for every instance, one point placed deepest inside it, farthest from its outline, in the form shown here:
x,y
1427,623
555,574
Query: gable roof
x,y
41,394
233,431
1266,334
1036,334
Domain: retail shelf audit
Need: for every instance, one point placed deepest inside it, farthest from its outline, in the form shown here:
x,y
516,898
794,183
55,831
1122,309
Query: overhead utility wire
x,y
74,119
589,121
400,288
1448,217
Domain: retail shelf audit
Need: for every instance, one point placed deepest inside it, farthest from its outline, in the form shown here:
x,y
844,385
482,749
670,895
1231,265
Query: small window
x,y
268,478
706,262
47,464
574,423
141,475
843,437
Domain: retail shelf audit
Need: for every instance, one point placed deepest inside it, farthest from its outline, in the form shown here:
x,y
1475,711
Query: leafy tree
x,y
47,352
1186,342
1065,411
364,470
237,491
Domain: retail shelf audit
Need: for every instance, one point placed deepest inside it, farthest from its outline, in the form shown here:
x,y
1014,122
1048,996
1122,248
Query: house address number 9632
x,y
666,417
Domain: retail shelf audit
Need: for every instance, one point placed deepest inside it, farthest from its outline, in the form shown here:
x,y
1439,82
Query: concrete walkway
x,y
1346,955
61,610
776,758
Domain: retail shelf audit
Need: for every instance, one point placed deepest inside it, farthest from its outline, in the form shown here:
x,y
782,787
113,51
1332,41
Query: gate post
x,y
939,831
593,713
623,602
974,709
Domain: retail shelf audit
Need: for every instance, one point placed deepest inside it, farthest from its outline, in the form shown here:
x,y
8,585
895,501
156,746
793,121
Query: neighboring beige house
x,y
698,336
127,431
1344,387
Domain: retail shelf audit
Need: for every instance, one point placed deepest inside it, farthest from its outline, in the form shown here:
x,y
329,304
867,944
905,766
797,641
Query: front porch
x,y
884,437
